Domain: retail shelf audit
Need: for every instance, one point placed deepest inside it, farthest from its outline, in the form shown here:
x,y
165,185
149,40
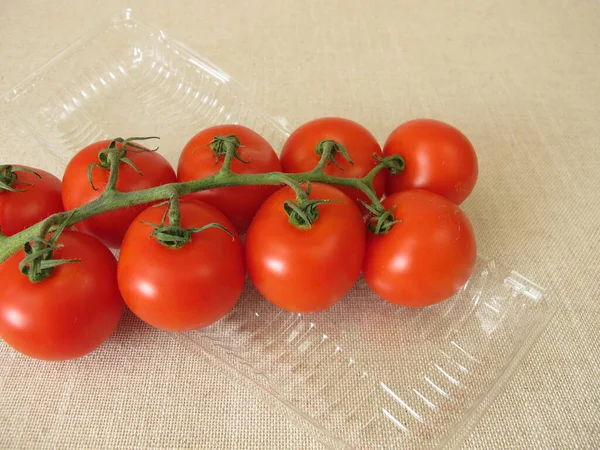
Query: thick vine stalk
x,y
112,198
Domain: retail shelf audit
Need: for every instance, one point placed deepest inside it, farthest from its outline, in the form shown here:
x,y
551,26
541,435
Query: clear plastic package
x,y
364,374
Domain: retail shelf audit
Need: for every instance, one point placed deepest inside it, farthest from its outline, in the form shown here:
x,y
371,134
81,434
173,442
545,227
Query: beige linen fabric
x,y
520,78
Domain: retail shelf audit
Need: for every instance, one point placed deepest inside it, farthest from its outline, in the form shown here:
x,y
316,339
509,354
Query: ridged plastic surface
x,y
364,374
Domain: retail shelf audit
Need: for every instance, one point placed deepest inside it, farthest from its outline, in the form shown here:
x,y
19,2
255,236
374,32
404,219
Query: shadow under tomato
x,y
132,331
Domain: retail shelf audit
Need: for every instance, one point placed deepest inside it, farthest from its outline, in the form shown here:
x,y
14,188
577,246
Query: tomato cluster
x,y
182,263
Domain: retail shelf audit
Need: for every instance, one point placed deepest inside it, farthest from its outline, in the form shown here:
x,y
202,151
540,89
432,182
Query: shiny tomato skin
x,y
425,258
306,270
68,314
439,158
298,153
110,226
238,203
39,199
187,288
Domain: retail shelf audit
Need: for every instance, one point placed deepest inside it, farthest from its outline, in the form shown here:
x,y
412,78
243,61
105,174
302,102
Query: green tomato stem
x,y
112,199
115,162
231,144
174,213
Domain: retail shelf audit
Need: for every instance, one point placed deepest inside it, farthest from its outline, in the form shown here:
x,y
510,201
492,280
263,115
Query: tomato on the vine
x,y
427,256
151,169
299,153
199,160
30,195
306,269
68,314
438,158
186,288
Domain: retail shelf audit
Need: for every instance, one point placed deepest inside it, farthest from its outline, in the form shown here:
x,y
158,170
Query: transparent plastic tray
x,y
365,374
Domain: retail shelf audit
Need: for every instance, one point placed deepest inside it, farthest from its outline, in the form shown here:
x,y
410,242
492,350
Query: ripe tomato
x,y
438,158
110,226
299,155
187,288
306,270
40,198
238,203
68,314
426,257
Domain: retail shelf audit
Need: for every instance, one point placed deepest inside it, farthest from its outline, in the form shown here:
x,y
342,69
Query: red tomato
x,y
238,203
187,288
299,155
39,199
426,257
438,158
110,226
306,270
68,314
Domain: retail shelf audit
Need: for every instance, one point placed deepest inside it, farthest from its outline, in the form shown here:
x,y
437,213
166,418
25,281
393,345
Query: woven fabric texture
x,y
519,78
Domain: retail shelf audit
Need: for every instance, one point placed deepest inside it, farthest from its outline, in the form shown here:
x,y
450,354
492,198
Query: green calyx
x,y
394,163
305,212
223,145
9,176
173,235
118,148
330,148
38,263
380,220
